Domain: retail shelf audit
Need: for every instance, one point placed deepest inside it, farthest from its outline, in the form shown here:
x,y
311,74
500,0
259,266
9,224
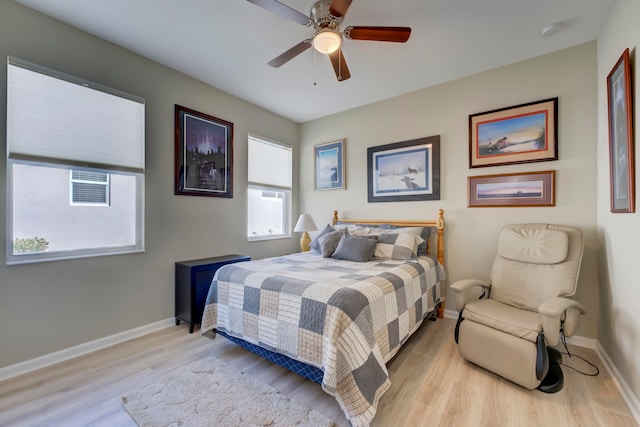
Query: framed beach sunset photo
x,y
512,190
521,134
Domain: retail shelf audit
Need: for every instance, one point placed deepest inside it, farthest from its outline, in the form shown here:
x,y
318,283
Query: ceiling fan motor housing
x,y
321,17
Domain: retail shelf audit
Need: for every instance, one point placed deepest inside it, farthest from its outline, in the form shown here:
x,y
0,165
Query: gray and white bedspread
x,y
346,318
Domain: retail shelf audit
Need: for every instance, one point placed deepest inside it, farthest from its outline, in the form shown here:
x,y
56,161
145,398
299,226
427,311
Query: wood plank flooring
x,y
431,385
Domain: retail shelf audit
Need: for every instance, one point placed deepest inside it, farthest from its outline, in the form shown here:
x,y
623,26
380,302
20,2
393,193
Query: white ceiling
x,y
227,43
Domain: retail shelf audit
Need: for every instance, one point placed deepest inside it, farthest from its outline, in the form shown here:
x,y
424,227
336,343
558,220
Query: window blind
x,y
63,119
269,163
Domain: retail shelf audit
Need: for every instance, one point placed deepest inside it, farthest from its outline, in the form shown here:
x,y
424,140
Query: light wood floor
x,y
431,385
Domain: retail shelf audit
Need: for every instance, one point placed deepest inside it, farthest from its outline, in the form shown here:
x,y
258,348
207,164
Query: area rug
x,y
211,392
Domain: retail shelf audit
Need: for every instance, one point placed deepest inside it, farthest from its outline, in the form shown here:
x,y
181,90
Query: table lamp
x,y
305,223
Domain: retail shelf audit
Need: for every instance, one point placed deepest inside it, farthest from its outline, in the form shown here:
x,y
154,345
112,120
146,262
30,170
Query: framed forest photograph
x,y
203,154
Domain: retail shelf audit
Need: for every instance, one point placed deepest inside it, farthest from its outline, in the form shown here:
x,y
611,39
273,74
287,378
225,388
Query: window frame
x,y
14,158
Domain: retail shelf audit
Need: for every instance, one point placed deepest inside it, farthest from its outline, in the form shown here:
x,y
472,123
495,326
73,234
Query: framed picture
x,y
520,134
203,154
329,165
621,155
404,171
512,190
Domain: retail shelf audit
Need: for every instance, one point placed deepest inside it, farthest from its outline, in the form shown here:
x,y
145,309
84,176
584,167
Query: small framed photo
x,y
521,134
512,190
404,171
329,165
622,171
203,154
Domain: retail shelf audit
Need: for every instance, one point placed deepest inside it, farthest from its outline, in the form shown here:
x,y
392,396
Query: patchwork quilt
x,y
346,318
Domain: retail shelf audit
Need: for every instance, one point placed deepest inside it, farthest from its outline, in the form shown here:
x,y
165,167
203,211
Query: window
x,y
269,193
75,167
90,188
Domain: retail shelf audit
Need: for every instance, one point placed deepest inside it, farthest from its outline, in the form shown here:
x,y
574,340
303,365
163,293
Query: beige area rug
x,y
211,392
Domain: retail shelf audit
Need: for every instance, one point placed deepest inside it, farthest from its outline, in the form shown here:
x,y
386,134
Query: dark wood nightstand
x,y
193,279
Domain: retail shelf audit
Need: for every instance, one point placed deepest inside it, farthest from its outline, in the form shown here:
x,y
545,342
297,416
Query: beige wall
x,y
51,306
619,321
444,110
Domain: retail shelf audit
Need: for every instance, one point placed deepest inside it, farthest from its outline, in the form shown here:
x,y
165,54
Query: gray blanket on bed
x,y
347,318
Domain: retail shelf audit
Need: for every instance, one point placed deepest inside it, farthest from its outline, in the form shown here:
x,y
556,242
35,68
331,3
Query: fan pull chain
x,y
315,68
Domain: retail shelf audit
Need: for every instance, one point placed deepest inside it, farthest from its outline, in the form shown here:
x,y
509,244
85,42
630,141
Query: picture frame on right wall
x,y
621,157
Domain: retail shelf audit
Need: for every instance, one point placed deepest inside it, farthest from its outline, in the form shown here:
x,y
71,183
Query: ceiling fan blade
x,y
290,54
381,34
339,8
339,65
282,10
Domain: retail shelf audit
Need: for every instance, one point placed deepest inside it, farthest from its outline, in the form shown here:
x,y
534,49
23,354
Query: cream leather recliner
x,y
506,325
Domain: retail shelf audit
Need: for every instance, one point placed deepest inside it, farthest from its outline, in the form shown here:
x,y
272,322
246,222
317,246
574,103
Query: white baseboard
x,y
81,349
627,394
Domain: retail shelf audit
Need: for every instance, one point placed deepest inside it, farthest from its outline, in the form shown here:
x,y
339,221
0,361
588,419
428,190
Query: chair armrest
x,y
556,310
467,290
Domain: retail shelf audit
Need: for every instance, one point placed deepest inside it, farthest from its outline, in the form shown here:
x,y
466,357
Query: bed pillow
x,y
397,246
355,248
329,242
315,244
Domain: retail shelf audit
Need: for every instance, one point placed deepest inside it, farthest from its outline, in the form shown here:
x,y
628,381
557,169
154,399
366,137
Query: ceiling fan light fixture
x,y
326,41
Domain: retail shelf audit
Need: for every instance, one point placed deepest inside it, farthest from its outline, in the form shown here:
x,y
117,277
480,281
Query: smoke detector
x,y
552,29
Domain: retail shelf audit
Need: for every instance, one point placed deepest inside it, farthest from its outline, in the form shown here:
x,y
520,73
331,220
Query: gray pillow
x,y
354,248
315,243
329,242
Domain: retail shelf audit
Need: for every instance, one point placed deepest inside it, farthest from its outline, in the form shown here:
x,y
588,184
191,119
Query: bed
x,y
338,313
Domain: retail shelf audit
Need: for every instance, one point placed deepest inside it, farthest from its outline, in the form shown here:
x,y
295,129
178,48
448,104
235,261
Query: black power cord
x,y
563,339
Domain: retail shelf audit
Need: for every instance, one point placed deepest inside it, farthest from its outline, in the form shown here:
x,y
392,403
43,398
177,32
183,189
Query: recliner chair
x,y
507,325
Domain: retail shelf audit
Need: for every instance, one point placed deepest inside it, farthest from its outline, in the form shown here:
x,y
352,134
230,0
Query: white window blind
x,y
62,118
269,163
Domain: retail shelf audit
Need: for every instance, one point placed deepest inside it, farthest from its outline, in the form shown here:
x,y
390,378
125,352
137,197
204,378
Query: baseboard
x,y
627,394
81,349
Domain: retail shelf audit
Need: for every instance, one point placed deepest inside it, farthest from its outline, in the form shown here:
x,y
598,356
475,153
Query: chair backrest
x,y
534,263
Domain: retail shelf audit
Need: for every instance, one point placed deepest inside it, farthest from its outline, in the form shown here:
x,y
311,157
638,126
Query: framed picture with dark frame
x,y
520,134
621,151
525,189
404,171
329,165
203,154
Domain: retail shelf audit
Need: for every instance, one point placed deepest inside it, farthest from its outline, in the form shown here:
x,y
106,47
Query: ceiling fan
x,y
325,17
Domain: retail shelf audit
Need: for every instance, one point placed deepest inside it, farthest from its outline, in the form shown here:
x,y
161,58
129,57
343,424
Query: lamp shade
x,y
327,41
305,223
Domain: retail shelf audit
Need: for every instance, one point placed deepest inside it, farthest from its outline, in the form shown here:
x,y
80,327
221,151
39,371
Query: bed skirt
x,y
307,371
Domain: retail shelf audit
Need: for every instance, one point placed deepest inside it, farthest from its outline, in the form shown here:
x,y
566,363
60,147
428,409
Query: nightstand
x,y
193,279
